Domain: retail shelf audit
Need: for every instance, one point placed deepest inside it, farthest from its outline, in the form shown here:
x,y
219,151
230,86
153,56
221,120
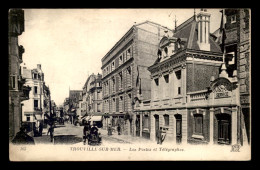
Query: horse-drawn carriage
x,y
91,135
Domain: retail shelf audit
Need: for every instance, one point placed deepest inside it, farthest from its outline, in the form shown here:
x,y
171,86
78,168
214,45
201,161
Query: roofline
x,y
184,23
127,33
117,43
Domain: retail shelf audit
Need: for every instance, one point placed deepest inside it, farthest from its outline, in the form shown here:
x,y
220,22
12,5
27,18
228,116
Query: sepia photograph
x,y
129,84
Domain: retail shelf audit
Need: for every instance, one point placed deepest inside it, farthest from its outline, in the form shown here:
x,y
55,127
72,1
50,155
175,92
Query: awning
x,y
38,117
96,118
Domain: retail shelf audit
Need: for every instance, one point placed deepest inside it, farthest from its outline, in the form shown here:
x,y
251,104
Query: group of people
x,y
110,129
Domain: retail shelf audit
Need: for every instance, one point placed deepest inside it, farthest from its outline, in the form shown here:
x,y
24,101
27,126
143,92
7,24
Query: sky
x,y
70,43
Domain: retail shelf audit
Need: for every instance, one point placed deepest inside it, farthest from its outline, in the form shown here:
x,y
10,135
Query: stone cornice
x,y
179,59
173,59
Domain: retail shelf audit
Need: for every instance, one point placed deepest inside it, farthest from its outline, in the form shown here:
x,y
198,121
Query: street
x,y
69,134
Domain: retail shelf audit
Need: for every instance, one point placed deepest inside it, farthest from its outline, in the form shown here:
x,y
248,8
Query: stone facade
x,y
36,106
193,99
92,94
125,74
17,92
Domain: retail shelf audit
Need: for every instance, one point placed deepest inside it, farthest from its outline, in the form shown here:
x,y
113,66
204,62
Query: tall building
x,y
125,74
92,93
193,98
92,99
17,91
36,106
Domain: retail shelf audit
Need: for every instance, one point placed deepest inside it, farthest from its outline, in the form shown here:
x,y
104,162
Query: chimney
x,y
203,19
39,67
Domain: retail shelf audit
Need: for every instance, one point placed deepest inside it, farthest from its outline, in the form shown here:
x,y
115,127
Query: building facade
x,y
74,97
17,91
238,44
193,98
37,105
125,74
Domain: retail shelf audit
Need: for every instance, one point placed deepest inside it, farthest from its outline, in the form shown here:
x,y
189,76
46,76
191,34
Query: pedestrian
x,y
119,129
51,130
22,137
86,131
158,136
40,129
109,130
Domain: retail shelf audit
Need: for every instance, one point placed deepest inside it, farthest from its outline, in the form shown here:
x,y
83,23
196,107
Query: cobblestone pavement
x,y
70,134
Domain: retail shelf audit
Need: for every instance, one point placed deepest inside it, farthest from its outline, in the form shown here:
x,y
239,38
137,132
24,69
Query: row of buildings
x,y
193,84
39,102
87,101
29,97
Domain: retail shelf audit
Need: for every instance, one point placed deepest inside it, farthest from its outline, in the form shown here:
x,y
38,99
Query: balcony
x,y
198,96
37,109
24,94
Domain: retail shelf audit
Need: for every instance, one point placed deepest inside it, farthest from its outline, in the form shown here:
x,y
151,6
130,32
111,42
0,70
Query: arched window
x,y
166,51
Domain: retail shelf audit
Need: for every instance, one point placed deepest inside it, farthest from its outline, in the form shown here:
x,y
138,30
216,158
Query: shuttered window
x,y
198,124
117,83
117,104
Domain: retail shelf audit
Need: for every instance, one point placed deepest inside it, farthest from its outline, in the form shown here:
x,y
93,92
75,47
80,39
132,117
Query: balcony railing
x,y
25,93
37,109
198,96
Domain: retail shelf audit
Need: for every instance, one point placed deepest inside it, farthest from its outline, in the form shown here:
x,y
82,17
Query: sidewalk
x,y
127,138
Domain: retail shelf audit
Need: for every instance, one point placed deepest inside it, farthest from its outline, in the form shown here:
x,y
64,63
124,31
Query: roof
x,y
189,30
127,33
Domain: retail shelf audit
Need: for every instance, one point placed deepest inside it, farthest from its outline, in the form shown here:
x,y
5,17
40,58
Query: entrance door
x,y
137,124
178,128
157,126
224,129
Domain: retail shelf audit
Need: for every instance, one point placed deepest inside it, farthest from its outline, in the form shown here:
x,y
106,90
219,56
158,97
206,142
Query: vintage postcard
x,y
129,84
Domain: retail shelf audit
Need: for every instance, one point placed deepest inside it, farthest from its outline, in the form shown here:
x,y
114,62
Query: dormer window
x,y
159,53
166,51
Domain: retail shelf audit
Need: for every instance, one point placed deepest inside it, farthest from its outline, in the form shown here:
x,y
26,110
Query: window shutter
x,y
117,83
117,63
117,104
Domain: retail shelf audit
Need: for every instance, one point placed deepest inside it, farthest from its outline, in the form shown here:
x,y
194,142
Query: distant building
x,y
92,98
125,74
17,91
92,93
66,106
74,97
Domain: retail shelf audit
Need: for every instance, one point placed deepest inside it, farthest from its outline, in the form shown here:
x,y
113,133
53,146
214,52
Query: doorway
x,y
157,126
224,129
178,118
137,123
